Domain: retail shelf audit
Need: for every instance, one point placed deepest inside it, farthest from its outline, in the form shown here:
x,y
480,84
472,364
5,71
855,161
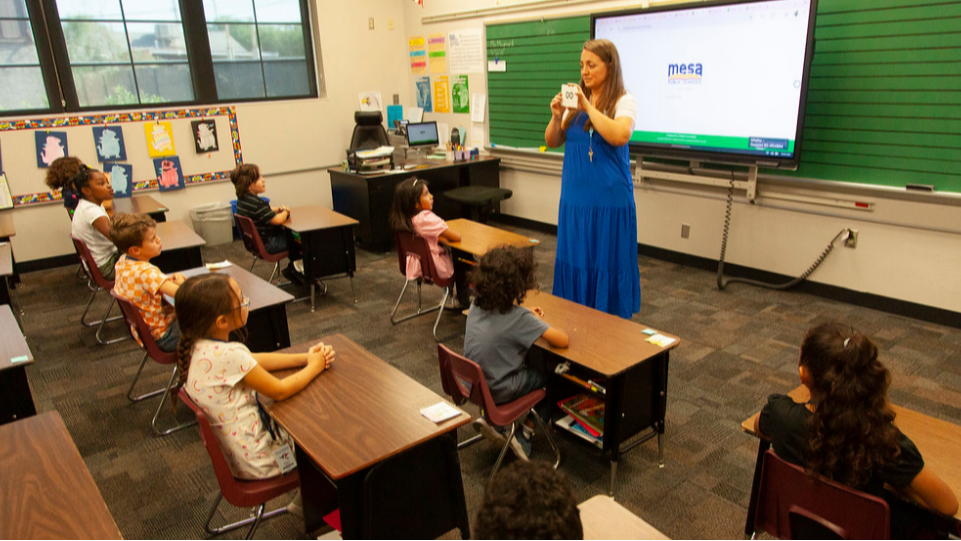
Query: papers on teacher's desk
x,y
380,152
440,412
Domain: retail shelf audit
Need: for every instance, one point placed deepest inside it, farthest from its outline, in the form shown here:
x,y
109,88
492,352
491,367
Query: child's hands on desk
x,y
178,278
322,355
538,311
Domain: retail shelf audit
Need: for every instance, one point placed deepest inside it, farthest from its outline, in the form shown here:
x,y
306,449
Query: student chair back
x,y
91,265
255,245
238,493
99,283
395,492
464,380
369,131
409,244
791,505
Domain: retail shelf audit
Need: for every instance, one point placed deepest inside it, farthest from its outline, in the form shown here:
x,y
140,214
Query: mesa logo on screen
x,y
685,74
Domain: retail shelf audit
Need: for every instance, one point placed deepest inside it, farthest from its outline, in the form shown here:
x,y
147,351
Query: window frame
x,y
60,85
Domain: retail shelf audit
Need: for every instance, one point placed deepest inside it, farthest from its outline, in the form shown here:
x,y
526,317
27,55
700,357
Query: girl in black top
x,y
846,431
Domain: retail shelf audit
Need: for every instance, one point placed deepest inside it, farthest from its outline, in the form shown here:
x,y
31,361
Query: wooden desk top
x,y
601,342
12,342
177,235
138,204
6,259
477,238
48,492
314,217
359,412
261,293
603,518
6,224
421,163
937,440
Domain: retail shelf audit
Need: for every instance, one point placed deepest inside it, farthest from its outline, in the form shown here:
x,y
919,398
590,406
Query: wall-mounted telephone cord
x,y
722,282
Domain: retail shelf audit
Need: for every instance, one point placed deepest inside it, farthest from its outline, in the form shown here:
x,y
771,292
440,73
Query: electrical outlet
x,y
370,23
685,231
851,239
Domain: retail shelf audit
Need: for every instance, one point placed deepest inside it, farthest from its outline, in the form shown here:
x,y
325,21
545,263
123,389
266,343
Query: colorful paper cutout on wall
x,y
460,94
109,143
121,178
423,94
160,139
50,146
205,135
437,52
441,94
418,55
168,172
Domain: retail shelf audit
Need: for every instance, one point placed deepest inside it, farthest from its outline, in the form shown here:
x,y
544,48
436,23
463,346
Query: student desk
x,y
7,230
6,271
327,244
16,400
604,346
48,492
603,518
937,440
141,204
476,240
181,247
359,413
267,328
368,198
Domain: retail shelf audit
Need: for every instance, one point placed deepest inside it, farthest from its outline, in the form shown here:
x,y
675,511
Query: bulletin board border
x,y
42,198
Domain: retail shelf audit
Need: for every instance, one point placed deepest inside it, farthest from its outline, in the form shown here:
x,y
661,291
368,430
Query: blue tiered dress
x,y
597,225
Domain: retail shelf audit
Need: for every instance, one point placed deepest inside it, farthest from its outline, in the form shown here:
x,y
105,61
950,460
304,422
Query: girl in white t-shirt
x,y
223,378
85,193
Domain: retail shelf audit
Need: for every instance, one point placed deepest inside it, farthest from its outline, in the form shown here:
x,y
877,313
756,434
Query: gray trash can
x,y
214,222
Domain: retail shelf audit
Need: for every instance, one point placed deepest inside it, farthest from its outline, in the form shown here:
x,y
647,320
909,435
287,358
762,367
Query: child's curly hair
x,y
529,500
502,277
61,171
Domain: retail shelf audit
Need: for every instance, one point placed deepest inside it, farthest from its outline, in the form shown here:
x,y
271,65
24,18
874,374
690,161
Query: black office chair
x,y
369,131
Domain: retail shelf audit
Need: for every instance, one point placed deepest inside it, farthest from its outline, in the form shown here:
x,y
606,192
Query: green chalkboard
x,y
884,100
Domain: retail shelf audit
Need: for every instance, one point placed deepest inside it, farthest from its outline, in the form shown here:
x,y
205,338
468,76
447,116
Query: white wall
x,y
898,255
292,141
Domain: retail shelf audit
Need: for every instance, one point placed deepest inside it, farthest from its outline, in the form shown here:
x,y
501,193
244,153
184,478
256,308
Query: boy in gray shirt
x,y
500,332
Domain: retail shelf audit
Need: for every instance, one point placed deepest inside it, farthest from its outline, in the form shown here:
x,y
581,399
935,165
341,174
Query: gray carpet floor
x,y
738,346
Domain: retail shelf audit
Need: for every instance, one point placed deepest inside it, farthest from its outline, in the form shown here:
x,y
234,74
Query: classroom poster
x,y
442,94
437,52
121,175
418,55
168,172
466,51
50,146
6,201
109,143
423,94
160,139
370,101
204,134
460,94
478,102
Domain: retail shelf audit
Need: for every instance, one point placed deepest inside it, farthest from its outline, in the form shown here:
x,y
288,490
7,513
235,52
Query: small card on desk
x,y
440,412
661,340
217,266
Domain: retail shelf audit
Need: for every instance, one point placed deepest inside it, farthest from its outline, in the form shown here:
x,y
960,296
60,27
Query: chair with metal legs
x,y
153,351
464,380
238,493
255,245
409,244
102,284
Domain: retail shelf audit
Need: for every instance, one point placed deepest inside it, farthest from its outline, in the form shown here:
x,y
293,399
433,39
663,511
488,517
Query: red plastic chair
x,y
132,315
255,245
464,380
237,492
102,284
791,505
414,245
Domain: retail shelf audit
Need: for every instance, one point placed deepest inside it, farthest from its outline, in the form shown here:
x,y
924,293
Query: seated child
x,y
249,184
90,221
500,332
142,283
528,500
58,177
224,377
845,432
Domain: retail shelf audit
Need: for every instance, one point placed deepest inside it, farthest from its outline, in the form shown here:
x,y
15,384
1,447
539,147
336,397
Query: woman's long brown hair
x,y
613,85
199,302
851,432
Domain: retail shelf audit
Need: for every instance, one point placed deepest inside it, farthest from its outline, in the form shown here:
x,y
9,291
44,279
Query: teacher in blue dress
x,y
597,222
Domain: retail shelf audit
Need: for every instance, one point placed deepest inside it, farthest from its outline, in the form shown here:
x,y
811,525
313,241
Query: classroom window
x,y
258,48
19,60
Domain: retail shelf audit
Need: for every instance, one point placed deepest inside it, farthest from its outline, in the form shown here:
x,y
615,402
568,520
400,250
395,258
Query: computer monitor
x,y
422,135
